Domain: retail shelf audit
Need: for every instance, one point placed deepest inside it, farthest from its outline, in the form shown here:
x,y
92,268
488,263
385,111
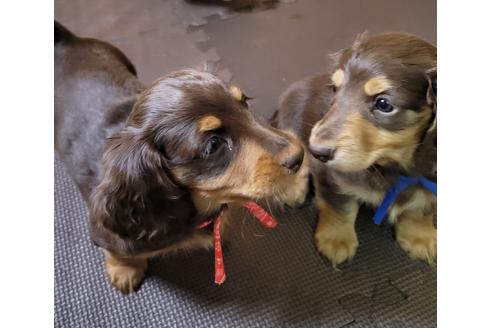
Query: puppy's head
x,y
190,146
384,104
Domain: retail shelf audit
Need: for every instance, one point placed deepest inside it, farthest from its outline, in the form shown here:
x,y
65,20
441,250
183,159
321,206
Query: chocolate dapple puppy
x,y
154,163
368,122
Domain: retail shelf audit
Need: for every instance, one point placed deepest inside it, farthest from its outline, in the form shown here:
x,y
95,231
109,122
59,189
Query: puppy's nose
x,y
294,162
322,153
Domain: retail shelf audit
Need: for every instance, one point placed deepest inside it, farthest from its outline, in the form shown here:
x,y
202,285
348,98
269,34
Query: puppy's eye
x,y
383,105
213,144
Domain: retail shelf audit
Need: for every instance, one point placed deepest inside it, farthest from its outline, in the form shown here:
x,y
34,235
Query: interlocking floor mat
x,y
275,279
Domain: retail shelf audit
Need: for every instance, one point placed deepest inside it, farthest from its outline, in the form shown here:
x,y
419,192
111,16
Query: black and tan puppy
x,y
153,163
371,119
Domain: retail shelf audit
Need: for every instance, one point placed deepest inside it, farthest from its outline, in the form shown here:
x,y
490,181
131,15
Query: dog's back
x,y
303,104
95,89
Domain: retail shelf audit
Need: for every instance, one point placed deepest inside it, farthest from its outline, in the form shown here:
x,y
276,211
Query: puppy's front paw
x,y
418,239
337,243
125,274
125,278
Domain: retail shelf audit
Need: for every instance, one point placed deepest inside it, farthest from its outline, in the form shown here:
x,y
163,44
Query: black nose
x,y
322,153
294,162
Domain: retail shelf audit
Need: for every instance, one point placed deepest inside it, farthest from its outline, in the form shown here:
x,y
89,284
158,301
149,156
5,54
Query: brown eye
x,y
383,105
213,144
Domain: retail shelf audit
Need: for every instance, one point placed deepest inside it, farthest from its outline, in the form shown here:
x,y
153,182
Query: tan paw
x,y
125,278
337,244
420,246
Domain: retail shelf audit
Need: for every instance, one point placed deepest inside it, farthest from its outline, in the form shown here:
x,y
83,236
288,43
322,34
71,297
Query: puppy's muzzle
x,y
293,163
308,200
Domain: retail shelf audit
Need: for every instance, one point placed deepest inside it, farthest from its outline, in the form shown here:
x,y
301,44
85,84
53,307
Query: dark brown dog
x,y
154,163
373,117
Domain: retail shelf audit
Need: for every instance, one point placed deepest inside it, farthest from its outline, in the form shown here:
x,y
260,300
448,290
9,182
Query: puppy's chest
x,y
361,191
199,238
413,199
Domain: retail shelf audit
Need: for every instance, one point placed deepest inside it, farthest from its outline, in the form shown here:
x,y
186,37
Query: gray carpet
x,y
275,278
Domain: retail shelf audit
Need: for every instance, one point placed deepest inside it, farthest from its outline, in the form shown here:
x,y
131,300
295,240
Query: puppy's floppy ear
x,y
431,75
136,199
426,155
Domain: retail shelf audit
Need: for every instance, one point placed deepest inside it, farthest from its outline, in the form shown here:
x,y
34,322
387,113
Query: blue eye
x,y
383,105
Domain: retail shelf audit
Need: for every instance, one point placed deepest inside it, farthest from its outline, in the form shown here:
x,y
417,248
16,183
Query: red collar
x,y
258,212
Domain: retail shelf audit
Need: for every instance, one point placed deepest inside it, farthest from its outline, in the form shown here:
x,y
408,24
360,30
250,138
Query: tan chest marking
x,y
362,194
420,201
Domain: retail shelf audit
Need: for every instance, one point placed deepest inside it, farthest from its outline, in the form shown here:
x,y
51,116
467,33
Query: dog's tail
x,y
62,34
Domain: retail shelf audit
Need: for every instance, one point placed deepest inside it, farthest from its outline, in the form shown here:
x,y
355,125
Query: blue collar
x,y
402,183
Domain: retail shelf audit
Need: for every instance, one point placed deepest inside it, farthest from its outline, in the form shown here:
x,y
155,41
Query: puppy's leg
x,y
335,234
125,273
417,235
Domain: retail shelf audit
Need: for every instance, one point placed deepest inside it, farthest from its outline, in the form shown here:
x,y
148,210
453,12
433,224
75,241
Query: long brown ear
x,y
136,200
431,75
426,155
